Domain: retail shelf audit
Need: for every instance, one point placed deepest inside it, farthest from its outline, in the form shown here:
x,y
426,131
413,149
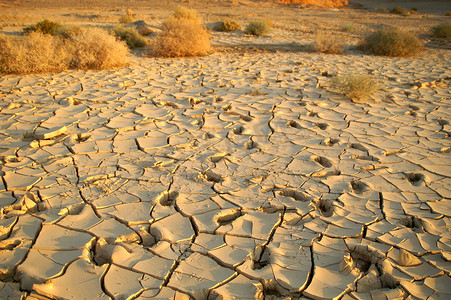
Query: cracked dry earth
x,y
236,175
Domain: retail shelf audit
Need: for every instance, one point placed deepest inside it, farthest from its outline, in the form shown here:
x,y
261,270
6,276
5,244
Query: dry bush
x,y
442,30
355,87
348,28
182,37
45,26
398,10
228,25
125,19
66,31
182,12
37,53
381,9
258,28
95,48
130,36
34,53
448,13
390,41
327,42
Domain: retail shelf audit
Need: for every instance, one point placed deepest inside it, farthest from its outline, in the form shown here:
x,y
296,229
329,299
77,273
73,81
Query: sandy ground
x,y
236,175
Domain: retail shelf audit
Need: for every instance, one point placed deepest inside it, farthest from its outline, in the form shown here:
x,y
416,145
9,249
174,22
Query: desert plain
x,y
234,175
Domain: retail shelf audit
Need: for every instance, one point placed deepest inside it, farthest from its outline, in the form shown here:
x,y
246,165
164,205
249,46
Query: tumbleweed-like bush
x,y
182,12
442,30
228,25
182,35
130,36
355,87
34,53
329,43
258,28
390,41
45,26
95,48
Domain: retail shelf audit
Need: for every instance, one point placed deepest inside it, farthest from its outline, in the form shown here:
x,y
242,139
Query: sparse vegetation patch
x,y
390,41
36,52
329,43
45,26
130,36
398,10
95,48
258,28
182,35
228,25
355,87
126,19
442,30
182,12
348,28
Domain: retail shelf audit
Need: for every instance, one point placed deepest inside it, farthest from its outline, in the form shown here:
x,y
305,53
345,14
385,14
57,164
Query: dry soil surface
x,y
238,174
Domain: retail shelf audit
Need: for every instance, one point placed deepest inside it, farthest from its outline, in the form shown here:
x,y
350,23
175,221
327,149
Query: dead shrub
x,y
348,28
442,30
45,26
182,12
130,36
34,53
355,87
381,9
95,48
390,41
126,19
66,31
228,25
182,37
398,10
448,13
258,28
329,43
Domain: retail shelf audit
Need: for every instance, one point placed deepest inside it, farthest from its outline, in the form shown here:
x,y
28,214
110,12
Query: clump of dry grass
x,y
258,28
327,42
381,9
398,10
38,53
45,26
95,48
182,12
442,30
182,35
390,41
129,36
53,28
355,87
34,53
228,25
348,28
125,19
